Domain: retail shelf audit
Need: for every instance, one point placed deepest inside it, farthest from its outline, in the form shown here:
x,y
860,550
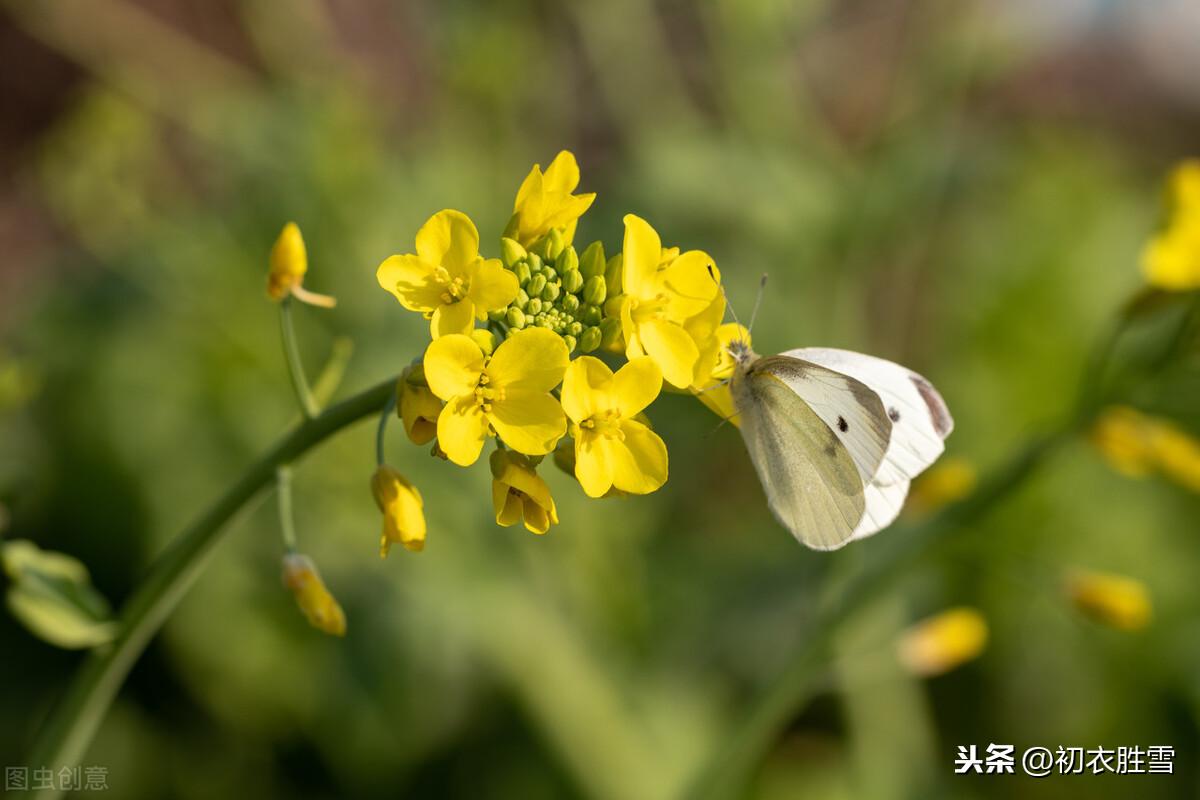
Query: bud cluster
x,y
561,290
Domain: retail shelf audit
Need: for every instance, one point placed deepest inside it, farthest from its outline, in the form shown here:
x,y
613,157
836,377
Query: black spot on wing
x,y
943,423
843,426
894,414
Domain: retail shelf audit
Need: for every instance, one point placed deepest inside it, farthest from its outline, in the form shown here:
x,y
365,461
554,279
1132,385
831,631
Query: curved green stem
x,y
726,772
66,734
304,395
287,519
381,431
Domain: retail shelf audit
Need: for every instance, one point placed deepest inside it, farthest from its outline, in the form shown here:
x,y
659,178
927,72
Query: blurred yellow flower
x,y
417,405
717,364
508,393
1137,445
660,296
519,493
544,202
319,606
942,642
288,265
946,482
1113,600
612,449
447,279
403,510
1171,259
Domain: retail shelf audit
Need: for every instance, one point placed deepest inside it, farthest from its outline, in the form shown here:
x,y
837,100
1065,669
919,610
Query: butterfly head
x,y
739,350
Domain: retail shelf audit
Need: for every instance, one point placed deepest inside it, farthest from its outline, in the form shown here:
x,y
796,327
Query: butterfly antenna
x,y
728,305
762,285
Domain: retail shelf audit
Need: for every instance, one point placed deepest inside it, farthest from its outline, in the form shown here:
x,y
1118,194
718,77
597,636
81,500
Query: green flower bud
x,y
542,321
567,261
536,284
573,281
551,292
575,328
522,299
551,273
591,315
590,339
594,291
556,244
515,318
497,315
522,273
485,339
612,273
570,340
610,331
612,306
511,252
570,303
535,263
534,306
591,263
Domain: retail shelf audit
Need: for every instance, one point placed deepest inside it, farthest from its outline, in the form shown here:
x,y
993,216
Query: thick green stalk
x,y
725,774
66,734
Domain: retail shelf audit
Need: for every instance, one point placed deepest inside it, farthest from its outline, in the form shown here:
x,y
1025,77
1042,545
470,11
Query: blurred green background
x,y
962,187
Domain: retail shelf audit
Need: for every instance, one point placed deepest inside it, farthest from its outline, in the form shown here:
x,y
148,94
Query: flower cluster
x,y
549,349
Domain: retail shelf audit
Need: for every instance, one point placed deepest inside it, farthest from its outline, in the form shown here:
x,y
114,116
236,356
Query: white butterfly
x,y
836,437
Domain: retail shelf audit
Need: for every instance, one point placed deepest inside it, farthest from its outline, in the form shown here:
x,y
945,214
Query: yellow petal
x,y
533,359
563,173
402,508
690,286
639,460
532,186
594,464
455,318
636,385
453,365
671,348
507,505
288,262
529,422
587,388
462,430
449,239
537,518
641,251
492,287
1114,600
411,280
419,409
719,400
942,642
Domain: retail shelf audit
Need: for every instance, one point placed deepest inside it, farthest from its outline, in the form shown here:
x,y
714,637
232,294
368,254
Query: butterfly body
x,y
835,437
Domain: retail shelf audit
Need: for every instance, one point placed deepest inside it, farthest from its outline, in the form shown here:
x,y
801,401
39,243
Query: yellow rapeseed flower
x,y
508,393
946,482
942,642
612,449
1178,455
1136,444
288,265
319,606
417,405
717,365
403,510
447,279
544,202
1113,600
660,296
1171,259
519,494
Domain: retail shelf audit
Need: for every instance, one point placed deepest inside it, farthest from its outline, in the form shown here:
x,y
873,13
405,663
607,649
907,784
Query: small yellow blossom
x,y
508,393
716,365
319,606
417,405
1113,600
662,291
288,264
612,449
447,279
519,494
950,480
1178,455
1171,259
544,202
403,510
942,642
1137,445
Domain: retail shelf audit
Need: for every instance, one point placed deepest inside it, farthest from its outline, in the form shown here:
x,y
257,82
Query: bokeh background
x,y
961,186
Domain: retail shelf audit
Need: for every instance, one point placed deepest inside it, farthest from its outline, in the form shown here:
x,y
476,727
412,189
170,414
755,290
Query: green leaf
x,y
51,594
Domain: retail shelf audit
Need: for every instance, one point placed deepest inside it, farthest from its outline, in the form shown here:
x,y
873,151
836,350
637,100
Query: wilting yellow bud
x,y
402,507
417,406
288,264
1171,259
519,493
951,480
1121,434
319,606
1178,455
942,642
1112,600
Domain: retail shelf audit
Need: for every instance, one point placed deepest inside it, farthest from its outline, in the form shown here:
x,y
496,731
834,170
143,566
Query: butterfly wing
x,y
815,438
920,418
